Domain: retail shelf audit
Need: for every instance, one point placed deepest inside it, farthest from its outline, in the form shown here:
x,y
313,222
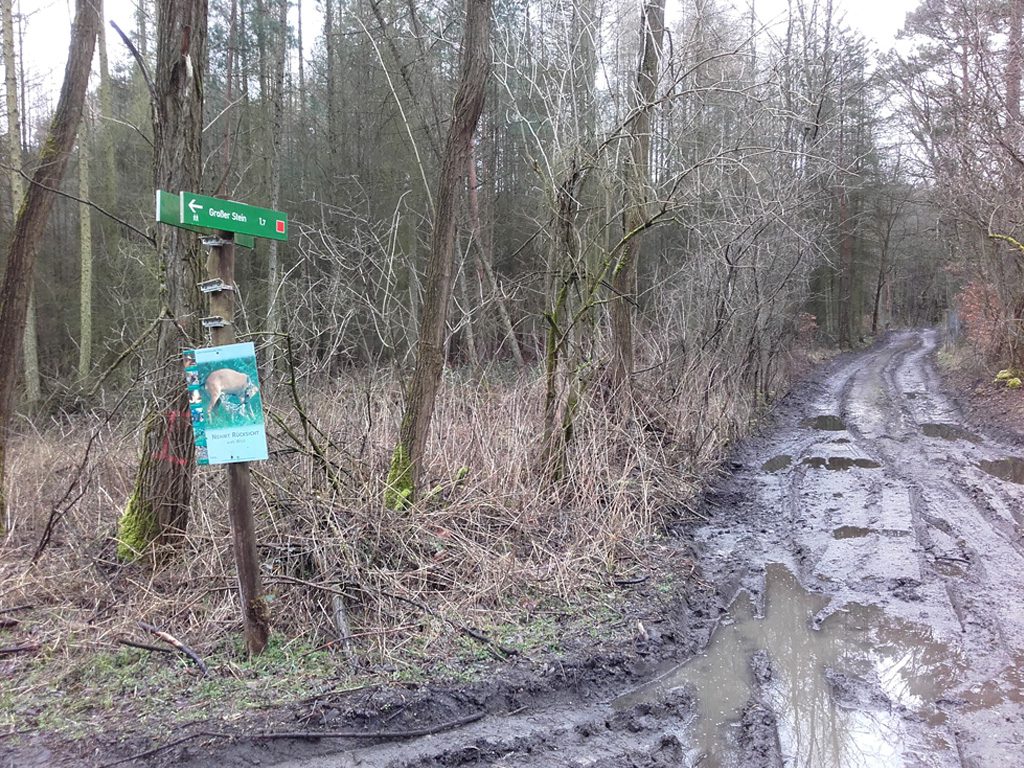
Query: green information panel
x,y
214,213
168,211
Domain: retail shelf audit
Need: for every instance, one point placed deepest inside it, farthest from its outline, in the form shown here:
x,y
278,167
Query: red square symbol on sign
x,y
280,226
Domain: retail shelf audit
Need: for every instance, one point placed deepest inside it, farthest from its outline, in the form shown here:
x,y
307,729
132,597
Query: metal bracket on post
x,y
215,242
214,286
214,321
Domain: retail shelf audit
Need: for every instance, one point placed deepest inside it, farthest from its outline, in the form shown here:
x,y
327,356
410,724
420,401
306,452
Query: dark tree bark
x,y
35,211
158,508
638,181
419,410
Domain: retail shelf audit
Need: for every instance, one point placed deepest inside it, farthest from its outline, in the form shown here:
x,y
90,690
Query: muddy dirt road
x,y
875,494
867,610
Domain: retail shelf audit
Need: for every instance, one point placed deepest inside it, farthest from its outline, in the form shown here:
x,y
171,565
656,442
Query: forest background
x,y
657,221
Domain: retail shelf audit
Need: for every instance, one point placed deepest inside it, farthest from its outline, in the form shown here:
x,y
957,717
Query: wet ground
x,y
862,607
887,596
869,555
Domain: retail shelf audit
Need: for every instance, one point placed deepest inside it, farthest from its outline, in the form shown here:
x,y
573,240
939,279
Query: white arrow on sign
x,y
194,206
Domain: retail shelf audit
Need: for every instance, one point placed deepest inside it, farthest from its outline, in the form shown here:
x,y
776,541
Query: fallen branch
x,y
953,559
167,637
630,582
398,734
163,748
146,646
13,649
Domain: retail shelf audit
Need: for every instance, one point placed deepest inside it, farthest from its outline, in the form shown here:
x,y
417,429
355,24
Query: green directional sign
x,y
168,211
214,213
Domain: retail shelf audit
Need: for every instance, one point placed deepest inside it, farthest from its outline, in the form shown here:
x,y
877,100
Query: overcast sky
x,y
879,20
48,22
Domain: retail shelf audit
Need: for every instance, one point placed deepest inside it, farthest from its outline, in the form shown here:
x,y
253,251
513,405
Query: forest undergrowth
x,y
491,562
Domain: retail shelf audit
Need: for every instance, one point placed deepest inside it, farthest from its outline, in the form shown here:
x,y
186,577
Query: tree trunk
x,y
85,246
406,463
302,57
638,181
846,313
469,318
106,145
228,95
142,28
1013,116
331,47
485,258
276,137
30,351
35,210
157,509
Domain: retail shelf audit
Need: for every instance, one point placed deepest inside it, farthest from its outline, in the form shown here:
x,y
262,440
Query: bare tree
x,y
652,33
157,509
30,350
406,463
35,210
276,138
85,250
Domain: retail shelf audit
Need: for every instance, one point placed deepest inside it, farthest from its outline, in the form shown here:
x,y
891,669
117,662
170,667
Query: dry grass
x,y
490,546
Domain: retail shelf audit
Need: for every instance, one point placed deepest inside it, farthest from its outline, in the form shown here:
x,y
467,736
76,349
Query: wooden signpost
x,y
222,219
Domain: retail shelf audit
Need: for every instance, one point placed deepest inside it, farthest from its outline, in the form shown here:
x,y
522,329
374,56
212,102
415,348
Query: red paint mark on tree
x,y
165,453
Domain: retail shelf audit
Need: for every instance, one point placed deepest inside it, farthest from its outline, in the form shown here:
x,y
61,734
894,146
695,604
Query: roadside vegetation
x,y
485,567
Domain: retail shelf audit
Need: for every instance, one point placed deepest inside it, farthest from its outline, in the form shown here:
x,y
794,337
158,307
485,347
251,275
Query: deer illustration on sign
x,y
232,390
227,411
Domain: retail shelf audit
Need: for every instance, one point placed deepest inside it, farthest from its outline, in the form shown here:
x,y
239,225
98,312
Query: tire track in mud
x,y
985,592
926,536
647,736
956,523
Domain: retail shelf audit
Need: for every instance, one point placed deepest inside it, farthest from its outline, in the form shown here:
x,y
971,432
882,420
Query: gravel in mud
x,y
857,604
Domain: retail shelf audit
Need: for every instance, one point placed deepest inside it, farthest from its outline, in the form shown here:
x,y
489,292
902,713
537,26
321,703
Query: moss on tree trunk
x,y
136,529
400,485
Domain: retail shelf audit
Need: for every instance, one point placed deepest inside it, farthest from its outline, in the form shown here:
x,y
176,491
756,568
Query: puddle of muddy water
x,y
901,660
827,423
777,464
839,463
949,432
1011,470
